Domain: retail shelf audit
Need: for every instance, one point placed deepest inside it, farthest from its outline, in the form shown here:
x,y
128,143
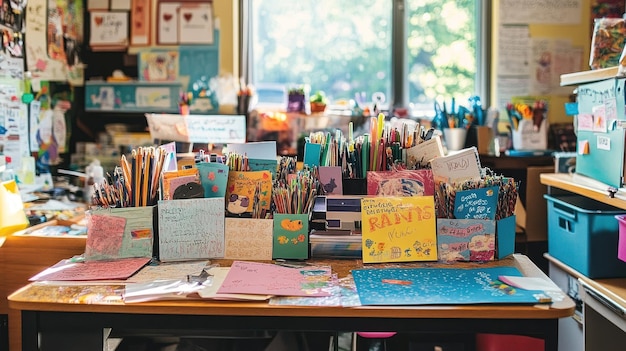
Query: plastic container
x,y
621,241
583,233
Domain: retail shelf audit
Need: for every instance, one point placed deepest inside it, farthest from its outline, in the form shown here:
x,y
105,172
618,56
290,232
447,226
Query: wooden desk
x,y
55,316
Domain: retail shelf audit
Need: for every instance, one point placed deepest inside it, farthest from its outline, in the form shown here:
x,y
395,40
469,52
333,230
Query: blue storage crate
x,y
583,233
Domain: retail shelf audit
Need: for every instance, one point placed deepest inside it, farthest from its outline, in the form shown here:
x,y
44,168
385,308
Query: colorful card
x,y
479,203
108,28
256,164
419,155
182,184
241,190
398,229
140,16
331,180
439,286
458,167
191,229
248,239
291,236
418,182
214,178
272,279
158,66
466,239
114,233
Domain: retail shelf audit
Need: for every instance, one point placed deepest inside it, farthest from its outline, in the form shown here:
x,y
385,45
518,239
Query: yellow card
x,y
399,229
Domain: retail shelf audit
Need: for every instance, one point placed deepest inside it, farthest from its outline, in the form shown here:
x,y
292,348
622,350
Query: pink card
x,y
271,279
92,270
331,180
417,182
104,236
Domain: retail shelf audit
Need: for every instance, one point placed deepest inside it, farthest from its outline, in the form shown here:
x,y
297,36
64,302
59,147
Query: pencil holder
x,y
291,236
528,137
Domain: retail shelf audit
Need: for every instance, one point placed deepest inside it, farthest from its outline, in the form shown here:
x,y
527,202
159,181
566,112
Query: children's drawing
x,y
159,66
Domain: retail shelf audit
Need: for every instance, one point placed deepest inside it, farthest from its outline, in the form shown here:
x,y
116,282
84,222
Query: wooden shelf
x,y
577,78
585,186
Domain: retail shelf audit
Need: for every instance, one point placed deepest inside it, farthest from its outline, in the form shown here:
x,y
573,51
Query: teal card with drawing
x,y
214,178
291,236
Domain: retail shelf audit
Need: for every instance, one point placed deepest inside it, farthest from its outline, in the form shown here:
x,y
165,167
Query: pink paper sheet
x,y
271,279
92,270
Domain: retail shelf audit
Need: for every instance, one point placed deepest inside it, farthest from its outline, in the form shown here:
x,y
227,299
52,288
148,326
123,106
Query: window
x,y
412,51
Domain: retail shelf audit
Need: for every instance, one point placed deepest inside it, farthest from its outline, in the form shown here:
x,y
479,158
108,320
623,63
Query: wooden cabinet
x,y
21,257
603,300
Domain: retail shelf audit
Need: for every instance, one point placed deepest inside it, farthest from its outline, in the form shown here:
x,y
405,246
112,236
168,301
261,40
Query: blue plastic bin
x,y
583,233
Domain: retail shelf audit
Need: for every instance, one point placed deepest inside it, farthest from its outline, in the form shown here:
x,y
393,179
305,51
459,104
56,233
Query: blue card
x,y
439,286
312,154
479,203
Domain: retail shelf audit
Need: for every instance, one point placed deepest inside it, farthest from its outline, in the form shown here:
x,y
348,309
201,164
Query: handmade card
x,y
271,279
291,236
108,29
218,274
466,239
255,164
114,233
167,24
195,23
141,21
458,167
486,239
191,229
244,188
440,286
158,66
481,203
401,183
331,180
419,155
248,239
214,178
182,184
398,229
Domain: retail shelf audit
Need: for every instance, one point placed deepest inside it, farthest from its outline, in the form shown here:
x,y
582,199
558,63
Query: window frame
x,y
399,86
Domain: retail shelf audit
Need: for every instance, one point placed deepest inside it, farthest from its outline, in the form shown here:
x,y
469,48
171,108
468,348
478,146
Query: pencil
x,y
133,193
145,176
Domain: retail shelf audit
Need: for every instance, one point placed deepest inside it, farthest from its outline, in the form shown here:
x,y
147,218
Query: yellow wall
x,y
228,13
580,35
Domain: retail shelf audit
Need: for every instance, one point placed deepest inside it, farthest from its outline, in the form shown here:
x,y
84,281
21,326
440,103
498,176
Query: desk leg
x,y
552,335
29,331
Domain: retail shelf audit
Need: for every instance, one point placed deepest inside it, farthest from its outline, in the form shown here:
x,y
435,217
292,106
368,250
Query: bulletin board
x,y
535,42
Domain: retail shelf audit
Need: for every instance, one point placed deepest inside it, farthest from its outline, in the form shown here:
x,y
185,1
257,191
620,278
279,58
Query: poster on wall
x,y
185,22
108,30
54,40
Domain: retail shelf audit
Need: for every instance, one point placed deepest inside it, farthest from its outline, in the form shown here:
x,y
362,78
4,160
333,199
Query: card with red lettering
x,y
399,229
